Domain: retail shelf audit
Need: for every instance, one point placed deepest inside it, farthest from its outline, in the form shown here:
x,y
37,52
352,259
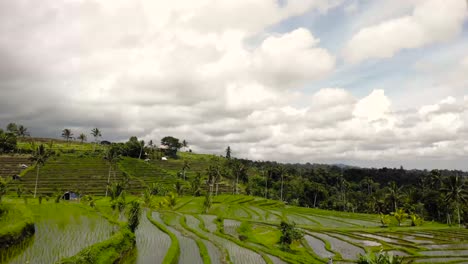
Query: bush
x,y
134,215
289,234
416,220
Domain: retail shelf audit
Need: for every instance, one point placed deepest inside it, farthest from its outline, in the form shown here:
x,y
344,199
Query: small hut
x,y
70,196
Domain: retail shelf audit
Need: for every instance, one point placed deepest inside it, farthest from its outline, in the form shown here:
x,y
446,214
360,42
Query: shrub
x,y
385,220
416,220
134,215
400,215
289,234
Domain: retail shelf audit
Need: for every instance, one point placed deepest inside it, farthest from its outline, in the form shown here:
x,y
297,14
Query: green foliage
x,y
179,187
12,128
170,200
207,202
385,219
228,152
134,215
289,234
67,134
172,144
400,215
16,224
109,251
147,197
7,142
116,189
379,258
3,187
195,185
416,220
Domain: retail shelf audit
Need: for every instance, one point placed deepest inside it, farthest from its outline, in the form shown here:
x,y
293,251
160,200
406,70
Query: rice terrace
x,y
69,201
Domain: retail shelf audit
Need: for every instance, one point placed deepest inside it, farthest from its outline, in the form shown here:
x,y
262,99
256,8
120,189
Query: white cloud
x,y
431,21
210,76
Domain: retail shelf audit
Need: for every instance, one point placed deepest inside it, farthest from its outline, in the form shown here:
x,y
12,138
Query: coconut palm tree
x,y
96,133
281,170
82,137
112,156
142,146
456,193
39,157
394,194
67,134
22,131
185,144
185,167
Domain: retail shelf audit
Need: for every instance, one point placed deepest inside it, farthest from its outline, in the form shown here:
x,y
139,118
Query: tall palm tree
x,y
82,137
39,157
394,194
185,144
281,170
67,134
456,193
22,131
112,156
185,167
96,133
142,146
237,168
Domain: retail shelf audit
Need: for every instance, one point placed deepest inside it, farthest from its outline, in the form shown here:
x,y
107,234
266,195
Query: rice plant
x,y
61,231
346,250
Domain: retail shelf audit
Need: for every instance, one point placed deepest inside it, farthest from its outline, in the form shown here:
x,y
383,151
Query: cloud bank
x,y
212,72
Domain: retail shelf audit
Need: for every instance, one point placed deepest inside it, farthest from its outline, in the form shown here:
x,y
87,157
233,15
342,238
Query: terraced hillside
x,y
11,165
85,174
244,229
167,172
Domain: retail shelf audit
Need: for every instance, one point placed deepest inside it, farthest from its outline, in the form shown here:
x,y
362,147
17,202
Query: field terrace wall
x,y
11,165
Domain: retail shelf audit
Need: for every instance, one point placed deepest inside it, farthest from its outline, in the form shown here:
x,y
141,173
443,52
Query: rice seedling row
x,y
346,250
61,231
318,246
152,244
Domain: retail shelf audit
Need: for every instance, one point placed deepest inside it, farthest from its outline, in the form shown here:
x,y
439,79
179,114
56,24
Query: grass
x,y
16,225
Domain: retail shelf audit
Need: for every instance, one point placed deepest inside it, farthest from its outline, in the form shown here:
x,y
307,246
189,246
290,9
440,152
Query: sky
x,y
372,83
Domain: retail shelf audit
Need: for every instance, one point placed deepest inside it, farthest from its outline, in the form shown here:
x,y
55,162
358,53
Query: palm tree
x,y
456,193
238,168
22,131
185,167
281,170
112,156
82,137
185,144
67,134
39,157
394,194
96,133
142,146
400,215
